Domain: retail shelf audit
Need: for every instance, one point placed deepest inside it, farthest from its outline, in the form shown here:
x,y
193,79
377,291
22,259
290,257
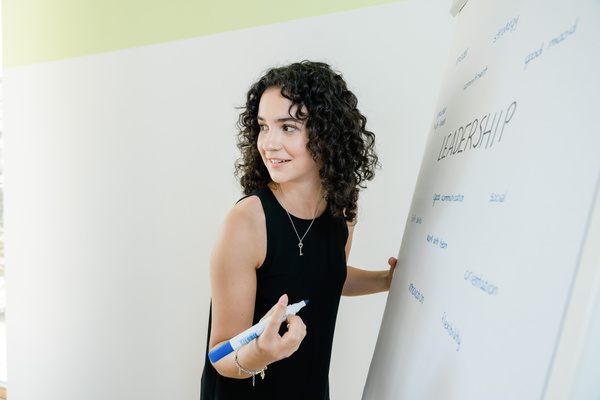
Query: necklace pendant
x,y
294,226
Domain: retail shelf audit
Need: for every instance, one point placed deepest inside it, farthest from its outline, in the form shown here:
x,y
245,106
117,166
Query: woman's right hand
x,y
270,344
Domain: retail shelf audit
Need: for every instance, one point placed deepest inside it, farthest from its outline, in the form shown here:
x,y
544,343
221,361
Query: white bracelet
x,y
253,373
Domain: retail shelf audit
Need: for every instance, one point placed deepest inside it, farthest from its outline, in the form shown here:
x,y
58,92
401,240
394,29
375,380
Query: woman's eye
x,y
262,127
289,128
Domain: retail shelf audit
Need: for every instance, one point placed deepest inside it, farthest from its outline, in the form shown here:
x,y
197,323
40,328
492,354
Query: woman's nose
x,y
271,142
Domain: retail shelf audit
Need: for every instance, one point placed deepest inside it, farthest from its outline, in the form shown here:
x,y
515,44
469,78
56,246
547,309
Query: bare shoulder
x,y
248,210
246,218
243,232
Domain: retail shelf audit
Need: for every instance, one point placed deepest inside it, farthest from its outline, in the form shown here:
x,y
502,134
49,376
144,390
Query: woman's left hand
x,y
392,261
361,281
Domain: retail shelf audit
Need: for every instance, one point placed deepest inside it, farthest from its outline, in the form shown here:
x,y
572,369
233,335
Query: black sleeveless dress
x,y
318,276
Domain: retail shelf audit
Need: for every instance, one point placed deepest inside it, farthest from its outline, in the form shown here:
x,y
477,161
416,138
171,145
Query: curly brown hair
x,y
337,134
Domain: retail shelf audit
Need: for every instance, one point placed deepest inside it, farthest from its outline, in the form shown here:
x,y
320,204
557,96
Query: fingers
x,y
296,328
275,347
284,299
294,335
277,313
392,262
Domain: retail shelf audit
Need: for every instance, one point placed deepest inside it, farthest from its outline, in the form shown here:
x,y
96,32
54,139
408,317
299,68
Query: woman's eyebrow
x,y
288,119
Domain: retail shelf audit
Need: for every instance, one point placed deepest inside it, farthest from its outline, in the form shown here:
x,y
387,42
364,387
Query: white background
x,y
119,170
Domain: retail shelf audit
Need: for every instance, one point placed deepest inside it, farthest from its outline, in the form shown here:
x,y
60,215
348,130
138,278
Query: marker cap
x,y
220,352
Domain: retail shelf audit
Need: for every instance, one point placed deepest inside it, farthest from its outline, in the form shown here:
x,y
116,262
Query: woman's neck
x,y
300,200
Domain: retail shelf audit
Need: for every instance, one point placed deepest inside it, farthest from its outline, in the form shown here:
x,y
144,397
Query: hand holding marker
x,y
250,334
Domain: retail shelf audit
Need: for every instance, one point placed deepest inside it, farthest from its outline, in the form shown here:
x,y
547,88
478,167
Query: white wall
x,y
119,170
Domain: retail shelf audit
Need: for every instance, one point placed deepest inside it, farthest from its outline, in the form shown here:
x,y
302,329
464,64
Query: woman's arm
x,y
360,281
239,249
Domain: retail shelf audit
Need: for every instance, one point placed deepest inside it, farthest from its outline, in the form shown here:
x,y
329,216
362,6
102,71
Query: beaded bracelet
x,y
253,373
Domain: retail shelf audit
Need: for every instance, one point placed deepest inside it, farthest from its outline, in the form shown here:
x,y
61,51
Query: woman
x,y
305,155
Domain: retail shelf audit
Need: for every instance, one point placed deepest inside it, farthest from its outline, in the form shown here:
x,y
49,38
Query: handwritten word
x,y
452,331
510,27
453,143
564,35
498,197
436,241
462,56
451,198
440,123
416,294
477,76
415,219
560,38
441,112
481,283
532,56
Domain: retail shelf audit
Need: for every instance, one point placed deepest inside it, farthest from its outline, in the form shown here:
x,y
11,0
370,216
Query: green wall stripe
x,y
37,31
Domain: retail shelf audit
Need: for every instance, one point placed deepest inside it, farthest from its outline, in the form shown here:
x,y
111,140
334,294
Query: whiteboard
x,y
501,209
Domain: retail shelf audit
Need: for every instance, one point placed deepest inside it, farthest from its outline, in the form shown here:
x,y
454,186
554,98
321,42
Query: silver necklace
x,y
300,239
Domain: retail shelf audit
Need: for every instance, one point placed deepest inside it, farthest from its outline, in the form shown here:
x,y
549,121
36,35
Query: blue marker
x,y
250,334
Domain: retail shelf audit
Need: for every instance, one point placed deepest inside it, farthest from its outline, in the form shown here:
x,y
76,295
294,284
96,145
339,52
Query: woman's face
x,y
282,140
